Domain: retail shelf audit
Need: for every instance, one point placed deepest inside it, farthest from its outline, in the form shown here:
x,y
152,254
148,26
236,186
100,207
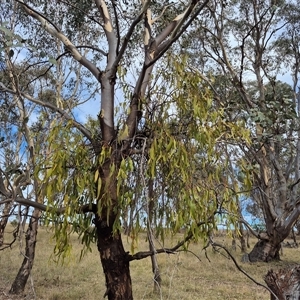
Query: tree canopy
x,y
187,114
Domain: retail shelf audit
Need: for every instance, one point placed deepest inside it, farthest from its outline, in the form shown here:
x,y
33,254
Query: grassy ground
x,y
184,275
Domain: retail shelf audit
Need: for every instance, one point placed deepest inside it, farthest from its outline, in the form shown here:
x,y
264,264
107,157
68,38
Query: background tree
x,y
241,47
26,69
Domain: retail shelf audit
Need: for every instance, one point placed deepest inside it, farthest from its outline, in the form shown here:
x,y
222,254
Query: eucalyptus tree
x,y
11,170
288,46
25,126
241,42
16,168
170,136
15,161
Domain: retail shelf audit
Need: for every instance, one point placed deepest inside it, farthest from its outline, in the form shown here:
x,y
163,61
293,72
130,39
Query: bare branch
x,y
161,14
144,254
242,220
66,116
294,184
153,54
214,244
38,13
82,209
109,32
174,27
113,2
93,48
53,30
3,189
129,33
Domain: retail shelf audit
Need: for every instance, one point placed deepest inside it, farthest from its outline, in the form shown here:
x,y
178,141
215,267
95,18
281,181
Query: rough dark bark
x,y
114,261
284,283
20,281
265,251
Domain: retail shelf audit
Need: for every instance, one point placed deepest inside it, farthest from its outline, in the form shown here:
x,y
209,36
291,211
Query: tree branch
x,y
109,32
82,209
153,54
173,28
293,184
26,6
113,2
54,31
3,189
129,33
214,244
144,254
249,227
66,116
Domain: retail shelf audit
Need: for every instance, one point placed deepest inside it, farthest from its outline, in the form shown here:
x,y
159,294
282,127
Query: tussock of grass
x,y
184,275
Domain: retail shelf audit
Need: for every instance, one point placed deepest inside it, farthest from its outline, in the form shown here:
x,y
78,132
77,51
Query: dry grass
x,y
184,275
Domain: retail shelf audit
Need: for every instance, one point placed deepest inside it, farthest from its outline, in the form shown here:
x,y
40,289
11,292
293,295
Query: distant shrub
x,y
14,223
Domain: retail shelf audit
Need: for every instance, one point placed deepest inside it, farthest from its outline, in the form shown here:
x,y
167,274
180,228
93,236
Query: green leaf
x,y
124,134
6,31
52,61
96,176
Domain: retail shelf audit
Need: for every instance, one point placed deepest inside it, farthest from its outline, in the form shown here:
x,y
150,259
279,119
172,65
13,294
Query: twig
x,y
189,251
144,254
205,248
214,244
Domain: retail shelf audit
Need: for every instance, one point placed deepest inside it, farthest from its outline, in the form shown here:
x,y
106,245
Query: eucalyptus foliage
x,y
158,125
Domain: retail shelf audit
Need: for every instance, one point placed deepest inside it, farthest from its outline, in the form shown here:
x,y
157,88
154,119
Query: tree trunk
x,y
242,238
248,238
265,250
126,229
20,281
114,261
285,284
233,244
294,237
154,263
4,220
298,227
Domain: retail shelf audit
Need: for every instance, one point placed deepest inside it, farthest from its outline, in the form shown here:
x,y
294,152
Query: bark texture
x,y
151,208
265,251
114,261
20,281
4,220
155,268
242,237
284,283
